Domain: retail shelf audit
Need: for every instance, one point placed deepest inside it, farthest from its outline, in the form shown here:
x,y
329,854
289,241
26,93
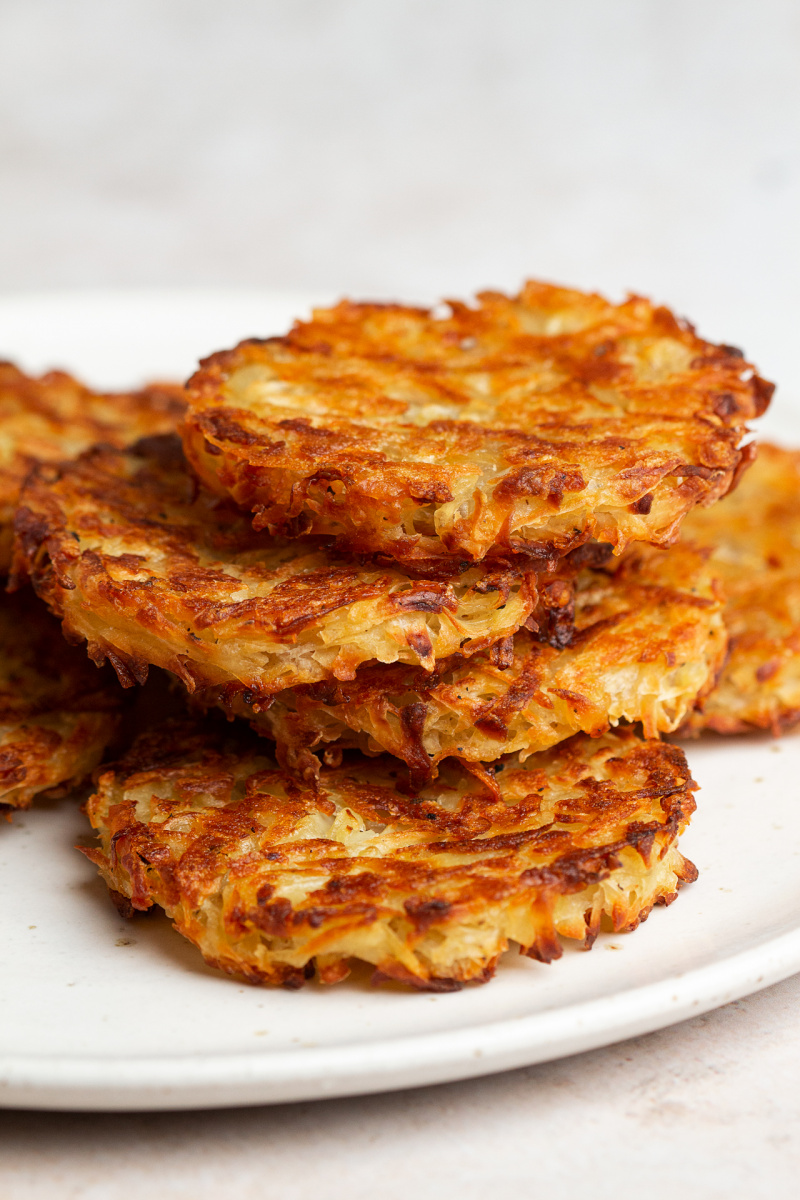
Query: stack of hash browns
x,y
416,578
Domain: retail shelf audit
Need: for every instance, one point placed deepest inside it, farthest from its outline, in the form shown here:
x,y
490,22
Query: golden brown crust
x,y
534,421
649,639
57,711
54,417
755,535
149,567
272,880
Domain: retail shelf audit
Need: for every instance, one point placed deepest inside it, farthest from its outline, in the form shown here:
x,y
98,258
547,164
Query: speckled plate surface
x,y
98,1013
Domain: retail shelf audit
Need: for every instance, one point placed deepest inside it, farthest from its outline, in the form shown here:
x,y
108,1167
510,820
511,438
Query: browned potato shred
x,y
57,712
55,417
755,535
150,568
274,880
648,640
530,422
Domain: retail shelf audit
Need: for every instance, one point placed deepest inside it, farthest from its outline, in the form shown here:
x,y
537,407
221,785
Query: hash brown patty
x,y
273,880
54,417
57,711
649,639
530,422
755,535
151,568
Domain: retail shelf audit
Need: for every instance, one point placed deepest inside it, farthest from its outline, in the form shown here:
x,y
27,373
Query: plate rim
x,y
166,1082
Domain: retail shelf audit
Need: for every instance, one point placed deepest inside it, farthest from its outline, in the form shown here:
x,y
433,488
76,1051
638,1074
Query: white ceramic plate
x,y
98,1013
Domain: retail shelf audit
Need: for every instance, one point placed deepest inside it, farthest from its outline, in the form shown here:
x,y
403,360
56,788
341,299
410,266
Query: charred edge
x,y
166,449
412,723
121,903
747,456
31,532
592,555
431,600
687,872
424,913
501,654
539,481
395,973
222,427
430,492
763,392
557,625
642,505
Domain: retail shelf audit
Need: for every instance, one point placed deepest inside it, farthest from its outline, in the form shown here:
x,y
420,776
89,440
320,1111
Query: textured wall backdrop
x,y
410,147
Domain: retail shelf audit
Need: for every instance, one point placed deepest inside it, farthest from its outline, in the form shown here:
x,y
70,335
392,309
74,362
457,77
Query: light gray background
x,y
415,148
410,147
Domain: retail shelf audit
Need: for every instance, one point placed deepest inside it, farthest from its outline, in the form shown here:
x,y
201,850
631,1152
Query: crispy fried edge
x,y
291,497
729,708
52,753
80,591
138,873
320,720
50,738
163,403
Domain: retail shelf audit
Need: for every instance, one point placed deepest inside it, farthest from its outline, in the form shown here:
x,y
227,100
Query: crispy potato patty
x,y
273,880
755,533
149,567
527,422
649,640
55,417
57,711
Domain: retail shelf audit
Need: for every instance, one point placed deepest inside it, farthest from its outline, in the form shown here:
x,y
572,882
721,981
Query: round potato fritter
x,y
755,535
151,568
273,880
57,711
648,640
55,417
535,421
